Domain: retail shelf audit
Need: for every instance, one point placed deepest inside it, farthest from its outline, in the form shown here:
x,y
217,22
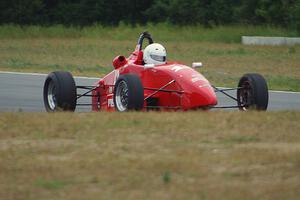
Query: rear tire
x,y
253,94
128,93
60,92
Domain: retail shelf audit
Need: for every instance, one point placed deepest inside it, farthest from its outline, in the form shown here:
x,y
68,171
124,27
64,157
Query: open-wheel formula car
x,y
137,85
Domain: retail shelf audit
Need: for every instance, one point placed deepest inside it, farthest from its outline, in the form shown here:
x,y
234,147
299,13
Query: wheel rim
x,y
51,96
122,96
245,96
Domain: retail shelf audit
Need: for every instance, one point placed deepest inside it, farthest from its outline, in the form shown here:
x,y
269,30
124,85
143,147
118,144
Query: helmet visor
x,y
158,58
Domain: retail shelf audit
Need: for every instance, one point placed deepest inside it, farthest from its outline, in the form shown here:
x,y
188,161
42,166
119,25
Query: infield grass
x,y
192,155
90,51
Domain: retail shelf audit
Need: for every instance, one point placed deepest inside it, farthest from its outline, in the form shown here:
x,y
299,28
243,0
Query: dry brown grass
x,y
194,155
224,63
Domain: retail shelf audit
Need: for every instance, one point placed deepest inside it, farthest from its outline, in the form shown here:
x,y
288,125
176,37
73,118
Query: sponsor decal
x,y
177,68
110,89
110,103
197,77
205,85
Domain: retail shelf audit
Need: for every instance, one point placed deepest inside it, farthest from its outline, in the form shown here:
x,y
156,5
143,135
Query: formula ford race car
x,y
134,85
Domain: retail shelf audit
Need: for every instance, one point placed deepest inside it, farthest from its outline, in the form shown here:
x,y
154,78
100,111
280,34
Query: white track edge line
x,y
273,91
40,74
85,77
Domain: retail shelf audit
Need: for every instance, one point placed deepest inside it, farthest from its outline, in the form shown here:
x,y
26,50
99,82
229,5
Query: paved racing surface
x,y
24,92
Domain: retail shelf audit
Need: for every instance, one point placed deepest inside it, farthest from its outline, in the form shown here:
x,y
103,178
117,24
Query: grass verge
x,y
192,155
161,31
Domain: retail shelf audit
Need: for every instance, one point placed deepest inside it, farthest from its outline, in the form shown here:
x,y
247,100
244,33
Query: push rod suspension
x,y
154,93
89,91
229,89
223,92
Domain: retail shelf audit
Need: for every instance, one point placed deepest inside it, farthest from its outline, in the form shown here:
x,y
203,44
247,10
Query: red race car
x,y
146,81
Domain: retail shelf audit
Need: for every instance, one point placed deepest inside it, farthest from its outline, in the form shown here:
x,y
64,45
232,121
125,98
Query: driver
x,y
155,54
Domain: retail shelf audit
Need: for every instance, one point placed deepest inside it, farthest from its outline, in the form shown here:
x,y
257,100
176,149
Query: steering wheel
x,y
142,37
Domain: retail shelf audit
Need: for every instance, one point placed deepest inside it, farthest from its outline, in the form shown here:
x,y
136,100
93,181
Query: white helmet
x,y
155,54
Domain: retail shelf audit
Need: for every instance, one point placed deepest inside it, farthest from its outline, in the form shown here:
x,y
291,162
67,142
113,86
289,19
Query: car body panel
x,y
184,87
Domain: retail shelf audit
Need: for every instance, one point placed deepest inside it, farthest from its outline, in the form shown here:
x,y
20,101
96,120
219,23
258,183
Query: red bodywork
x,y
170,86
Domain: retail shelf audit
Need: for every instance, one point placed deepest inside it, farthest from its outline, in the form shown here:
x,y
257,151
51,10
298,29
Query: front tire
x,y
128,93
253,92
60,92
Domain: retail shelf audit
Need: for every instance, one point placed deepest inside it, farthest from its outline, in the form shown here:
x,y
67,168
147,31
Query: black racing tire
x,y
128,93
253,92
60,92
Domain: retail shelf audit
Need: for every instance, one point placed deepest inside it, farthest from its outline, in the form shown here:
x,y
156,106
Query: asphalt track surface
x,y
24,92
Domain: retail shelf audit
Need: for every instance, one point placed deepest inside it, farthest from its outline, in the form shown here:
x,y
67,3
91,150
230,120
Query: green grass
x,y
50,184
89,51
150,155
162,31
284,83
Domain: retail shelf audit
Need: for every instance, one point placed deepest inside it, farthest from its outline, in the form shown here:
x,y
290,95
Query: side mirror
x,y
197,65
119,61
